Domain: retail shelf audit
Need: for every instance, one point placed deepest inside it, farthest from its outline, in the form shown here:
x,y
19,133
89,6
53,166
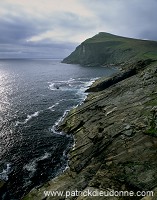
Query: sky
x,y
53,28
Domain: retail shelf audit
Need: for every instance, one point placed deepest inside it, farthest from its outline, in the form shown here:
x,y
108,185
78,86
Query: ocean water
x,y
34,97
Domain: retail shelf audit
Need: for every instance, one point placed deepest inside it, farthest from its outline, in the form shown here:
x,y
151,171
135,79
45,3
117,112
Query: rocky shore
x,y
115,132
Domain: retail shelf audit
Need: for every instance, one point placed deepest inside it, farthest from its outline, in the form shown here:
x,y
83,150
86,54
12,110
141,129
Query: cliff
x,y
107,49
115,133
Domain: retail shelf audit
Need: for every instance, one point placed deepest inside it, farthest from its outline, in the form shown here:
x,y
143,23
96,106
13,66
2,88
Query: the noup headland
x,y
115,129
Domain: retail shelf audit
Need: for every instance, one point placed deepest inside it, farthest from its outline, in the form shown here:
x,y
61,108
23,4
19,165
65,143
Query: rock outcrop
x,y
115,133
126,72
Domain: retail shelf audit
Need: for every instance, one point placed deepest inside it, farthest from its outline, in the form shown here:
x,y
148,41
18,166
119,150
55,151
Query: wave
x,y
36,114
31,166
4,174
64,85
29,117
84,87
53,86
74,84
79,85
53,106
61,85
82,96
54,128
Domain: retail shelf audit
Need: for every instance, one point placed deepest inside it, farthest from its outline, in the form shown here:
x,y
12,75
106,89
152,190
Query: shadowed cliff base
x,y
127,72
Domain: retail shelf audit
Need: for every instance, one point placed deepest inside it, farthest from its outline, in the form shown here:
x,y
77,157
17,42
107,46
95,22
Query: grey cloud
x,y
36,50
136,18
73,21
21,51
14,34
22,26
16,29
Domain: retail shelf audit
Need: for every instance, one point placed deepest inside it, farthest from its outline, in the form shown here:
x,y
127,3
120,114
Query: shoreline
x,y
80,97
110,128
56,127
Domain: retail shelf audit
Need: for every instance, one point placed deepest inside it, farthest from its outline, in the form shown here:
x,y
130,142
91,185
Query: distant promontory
x,y
107,49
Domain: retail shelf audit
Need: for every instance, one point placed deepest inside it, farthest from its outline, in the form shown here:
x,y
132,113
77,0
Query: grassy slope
x,y
145,48
105,48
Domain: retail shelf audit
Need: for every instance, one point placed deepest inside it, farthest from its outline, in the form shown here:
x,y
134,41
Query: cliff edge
x,y
107,49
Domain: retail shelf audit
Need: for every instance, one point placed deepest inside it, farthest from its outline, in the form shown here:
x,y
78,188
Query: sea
x,y
35,95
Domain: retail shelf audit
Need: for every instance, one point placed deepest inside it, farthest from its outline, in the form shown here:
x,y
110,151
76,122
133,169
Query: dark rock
x,y
112,149
111,81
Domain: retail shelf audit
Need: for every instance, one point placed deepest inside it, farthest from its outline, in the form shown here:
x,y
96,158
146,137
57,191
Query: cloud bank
x,y
49,28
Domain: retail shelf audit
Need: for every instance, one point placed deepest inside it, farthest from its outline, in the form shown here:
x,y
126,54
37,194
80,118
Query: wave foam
x,y
84,87
53,86
73,84
53,106
31,166
55,126
29,117
5,172
81,88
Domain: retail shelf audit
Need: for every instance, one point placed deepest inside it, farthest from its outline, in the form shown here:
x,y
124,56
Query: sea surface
x,y
34,96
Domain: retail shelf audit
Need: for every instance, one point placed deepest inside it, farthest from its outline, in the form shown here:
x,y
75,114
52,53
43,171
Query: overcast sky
x,y
53,28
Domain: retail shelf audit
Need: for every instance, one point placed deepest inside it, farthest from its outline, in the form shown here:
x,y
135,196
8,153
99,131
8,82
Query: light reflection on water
x,y
5,89
29,108
7,82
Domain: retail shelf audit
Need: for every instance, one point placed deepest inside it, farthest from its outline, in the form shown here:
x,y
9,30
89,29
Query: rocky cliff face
x,y
115,133
115,130
106,49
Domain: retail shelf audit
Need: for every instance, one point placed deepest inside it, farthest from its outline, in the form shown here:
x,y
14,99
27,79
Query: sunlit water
x,y
34,95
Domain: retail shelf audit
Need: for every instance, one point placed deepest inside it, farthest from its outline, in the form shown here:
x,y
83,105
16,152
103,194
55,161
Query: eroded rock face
x,y
126,72
115,140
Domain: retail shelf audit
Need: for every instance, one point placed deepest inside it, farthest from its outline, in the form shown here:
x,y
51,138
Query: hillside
x,y
107,49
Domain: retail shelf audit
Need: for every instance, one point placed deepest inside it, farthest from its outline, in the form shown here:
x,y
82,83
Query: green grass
x,y
105,48
152,132
143,48
152,103
152,55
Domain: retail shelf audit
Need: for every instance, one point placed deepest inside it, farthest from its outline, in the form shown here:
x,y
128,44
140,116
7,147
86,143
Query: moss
x,y
152,102
152,132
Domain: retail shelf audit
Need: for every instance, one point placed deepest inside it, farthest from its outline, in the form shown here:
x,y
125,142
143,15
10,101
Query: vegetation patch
x,y
152,132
